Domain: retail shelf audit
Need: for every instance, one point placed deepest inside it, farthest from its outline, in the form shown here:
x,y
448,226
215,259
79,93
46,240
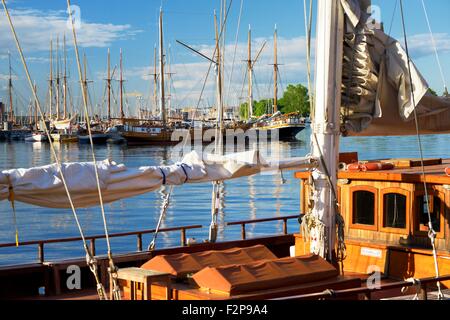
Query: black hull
x,y
96,139
284,134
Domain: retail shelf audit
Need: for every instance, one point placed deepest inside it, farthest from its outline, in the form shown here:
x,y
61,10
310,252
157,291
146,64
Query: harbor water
x,y
261,196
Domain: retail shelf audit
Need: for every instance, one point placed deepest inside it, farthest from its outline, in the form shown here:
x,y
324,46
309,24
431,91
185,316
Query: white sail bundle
x,y
376,91
42,186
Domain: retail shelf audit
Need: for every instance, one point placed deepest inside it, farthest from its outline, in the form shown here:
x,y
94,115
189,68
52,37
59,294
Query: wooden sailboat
x,y
97,130
64,129
284,126
153,131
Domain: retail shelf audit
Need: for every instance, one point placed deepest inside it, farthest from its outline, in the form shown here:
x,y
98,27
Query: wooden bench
x,y
136,283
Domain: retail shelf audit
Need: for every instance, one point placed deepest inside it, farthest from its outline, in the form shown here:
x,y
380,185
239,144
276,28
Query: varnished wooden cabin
x,y
386,220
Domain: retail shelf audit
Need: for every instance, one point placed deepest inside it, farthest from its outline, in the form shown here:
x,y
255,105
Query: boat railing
x,y
367,293
139,235
246,222
92,239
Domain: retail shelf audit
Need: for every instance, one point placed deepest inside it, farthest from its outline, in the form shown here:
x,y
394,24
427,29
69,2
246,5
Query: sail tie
x,y
182,166
164,176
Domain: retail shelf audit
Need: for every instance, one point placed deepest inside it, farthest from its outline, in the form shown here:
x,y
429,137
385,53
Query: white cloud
x,y
35,28
421,45
5,77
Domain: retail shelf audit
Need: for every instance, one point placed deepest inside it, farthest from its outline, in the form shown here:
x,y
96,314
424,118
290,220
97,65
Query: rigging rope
x,y
235,46
435,49
112,270
432,232
90,260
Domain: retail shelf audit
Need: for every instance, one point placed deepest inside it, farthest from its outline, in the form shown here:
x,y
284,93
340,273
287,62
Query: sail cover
x,y
376,87
42,186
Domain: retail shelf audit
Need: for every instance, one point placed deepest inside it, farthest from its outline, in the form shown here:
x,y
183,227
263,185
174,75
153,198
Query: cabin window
x,y
364,208
395,210
435,212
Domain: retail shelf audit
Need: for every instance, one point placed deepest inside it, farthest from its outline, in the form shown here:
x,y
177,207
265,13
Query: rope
x,y
417,284
89,259
431,233
112,269
435,49
235,46
13,206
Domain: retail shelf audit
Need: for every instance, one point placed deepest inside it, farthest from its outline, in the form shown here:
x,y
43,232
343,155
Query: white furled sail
x,y
64,124
42,186
376,88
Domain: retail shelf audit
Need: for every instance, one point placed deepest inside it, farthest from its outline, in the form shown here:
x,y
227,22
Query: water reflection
x,y
260,196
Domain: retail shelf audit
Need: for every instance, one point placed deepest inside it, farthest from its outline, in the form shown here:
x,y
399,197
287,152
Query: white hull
x,y
36,138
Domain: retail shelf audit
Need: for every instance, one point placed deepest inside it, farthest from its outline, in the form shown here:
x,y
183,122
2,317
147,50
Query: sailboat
x,y
394,212
285,126
154,131
98,134
63,125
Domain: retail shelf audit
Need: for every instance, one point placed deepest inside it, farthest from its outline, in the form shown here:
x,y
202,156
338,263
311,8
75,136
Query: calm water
x,y
246,198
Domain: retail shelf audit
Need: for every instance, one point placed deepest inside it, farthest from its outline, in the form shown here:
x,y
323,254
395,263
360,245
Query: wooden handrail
x,y
115,235
367,292
138,234
245,222
262,220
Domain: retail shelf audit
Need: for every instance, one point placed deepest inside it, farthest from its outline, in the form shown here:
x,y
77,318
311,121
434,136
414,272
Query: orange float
x,y
372,166
447,171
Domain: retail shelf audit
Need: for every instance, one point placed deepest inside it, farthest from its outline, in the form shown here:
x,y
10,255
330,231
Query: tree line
x,y
295,99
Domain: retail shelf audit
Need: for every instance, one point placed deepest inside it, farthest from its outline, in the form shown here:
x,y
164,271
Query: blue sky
x,y
132,25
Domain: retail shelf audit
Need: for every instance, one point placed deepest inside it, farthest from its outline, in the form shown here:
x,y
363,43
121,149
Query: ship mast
x,y
109,85
85,83
162,97
51,81
36,118
65,80
155,80
10,87
122,115
220,124
275,72
326,124
57,80
250,75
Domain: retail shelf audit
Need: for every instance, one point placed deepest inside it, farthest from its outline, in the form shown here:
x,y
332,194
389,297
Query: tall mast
x,y
57,79
162,97
220,125
326,121
36,118
275,72
122,115
155,80
250,75
51,81
10,86
215,199
65,79
169,78
109,85
85,82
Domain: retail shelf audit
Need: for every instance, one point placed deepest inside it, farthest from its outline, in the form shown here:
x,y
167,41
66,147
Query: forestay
x,y
42,186
376,93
